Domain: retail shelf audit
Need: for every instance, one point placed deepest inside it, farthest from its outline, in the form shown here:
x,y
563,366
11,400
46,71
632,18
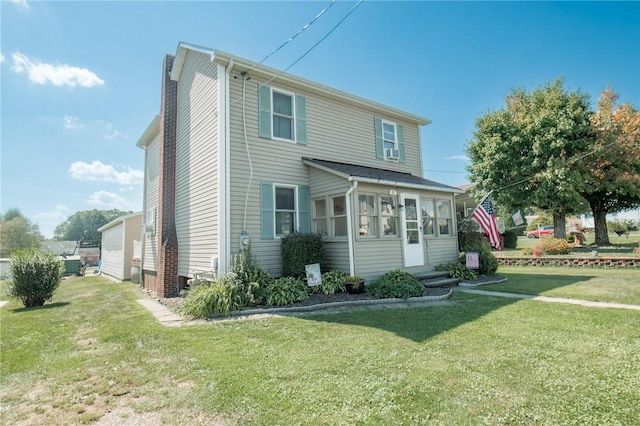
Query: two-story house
x,y
245,154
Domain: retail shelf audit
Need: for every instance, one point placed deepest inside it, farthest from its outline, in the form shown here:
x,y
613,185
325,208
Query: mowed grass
x,y
621,285
620,246
95,355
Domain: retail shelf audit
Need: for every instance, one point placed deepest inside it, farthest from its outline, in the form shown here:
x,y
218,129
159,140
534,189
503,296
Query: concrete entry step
x,y
425,276
441,283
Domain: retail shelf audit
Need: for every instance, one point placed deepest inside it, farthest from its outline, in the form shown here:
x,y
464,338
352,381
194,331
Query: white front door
x,y
412,244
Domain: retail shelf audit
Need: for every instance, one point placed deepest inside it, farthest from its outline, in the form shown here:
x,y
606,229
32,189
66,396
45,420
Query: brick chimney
x,y
167,274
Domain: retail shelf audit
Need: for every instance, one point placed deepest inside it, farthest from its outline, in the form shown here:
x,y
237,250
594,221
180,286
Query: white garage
x,y
117,245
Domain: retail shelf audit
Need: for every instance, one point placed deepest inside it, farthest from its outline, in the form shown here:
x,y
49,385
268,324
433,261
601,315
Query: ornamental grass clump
x,y
213,298
34,276
396,284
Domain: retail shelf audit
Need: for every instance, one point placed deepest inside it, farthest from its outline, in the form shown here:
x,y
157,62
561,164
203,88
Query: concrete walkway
x,y
552,299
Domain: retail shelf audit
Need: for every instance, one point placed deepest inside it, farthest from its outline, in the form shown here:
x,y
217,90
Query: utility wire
x,y
294,36
308,50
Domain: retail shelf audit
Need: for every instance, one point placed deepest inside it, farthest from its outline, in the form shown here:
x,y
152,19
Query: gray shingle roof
x,y
382,176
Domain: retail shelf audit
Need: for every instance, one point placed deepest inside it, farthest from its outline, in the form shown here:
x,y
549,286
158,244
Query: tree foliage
x,y
523,150
83,225
613,173
17,233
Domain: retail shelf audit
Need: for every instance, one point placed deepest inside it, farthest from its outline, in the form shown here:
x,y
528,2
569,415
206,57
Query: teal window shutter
x,y
264,111
378,131
301,120
267,224
303,210
400,130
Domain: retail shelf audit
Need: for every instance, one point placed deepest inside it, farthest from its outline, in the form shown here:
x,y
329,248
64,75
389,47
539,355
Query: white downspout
x,y
227,167
352,266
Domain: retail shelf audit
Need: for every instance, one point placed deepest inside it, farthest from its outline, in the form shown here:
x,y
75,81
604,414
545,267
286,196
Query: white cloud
x,y
72,123
1,58
58,75
21,3
457,157
98,171
109,131
109,200
47,221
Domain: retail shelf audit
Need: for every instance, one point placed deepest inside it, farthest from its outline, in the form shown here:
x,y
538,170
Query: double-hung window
x,y
389,215
285,203
445,221
428,216
339,216
368,216
389,140
320,217
283,115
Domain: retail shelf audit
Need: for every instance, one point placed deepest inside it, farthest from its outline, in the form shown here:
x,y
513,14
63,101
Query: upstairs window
x,y
281,115
389,140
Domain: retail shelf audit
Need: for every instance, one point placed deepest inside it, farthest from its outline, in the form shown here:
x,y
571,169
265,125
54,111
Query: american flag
x,y
486,218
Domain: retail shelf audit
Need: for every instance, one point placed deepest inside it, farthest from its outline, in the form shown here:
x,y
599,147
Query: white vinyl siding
x,y
151,185
112,255
197,162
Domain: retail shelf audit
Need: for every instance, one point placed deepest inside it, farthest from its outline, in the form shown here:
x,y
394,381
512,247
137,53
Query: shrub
x,y
34,276
213,298
299,250
526,251
468,234
510,239
286,290
488,264
553,246
332,282
396,284
254,279
458,270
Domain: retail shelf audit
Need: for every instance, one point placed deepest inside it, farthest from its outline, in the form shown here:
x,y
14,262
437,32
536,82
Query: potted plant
x,y
354,284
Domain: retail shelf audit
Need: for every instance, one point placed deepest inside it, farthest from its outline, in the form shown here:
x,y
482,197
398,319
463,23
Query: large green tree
x,y
17,232
83,226
521,151
612,167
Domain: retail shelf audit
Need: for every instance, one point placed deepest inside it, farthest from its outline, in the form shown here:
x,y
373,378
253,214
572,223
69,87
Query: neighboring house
x,y
242,153
117,245
466,202
59,247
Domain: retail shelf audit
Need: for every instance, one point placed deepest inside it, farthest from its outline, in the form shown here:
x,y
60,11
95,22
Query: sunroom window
x,y
320,217
389,215
445,222
368,219
428,216
339,216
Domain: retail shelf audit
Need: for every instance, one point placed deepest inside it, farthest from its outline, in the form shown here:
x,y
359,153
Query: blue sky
x,y
80,81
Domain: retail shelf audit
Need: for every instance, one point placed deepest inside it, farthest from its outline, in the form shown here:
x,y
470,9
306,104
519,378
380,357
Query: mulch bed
x,y
314,299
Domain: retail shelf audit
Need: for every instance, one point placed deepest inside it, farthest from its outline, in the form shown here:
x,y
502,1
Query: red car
x,y
541,232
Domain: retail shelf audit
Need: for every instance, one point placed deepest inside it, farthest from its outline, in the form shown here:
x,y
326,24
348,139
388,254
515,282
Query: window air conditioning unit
x,y
391,154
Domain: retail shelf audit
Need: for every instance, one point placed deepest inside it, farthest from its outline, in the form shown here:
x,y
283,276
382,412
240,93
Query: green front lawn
x,y
597,284
95,352
620,246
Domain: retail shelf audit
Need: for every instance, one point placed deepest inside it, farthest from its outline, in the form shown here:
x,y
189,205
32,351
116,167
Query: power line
x,y
295,35
308,50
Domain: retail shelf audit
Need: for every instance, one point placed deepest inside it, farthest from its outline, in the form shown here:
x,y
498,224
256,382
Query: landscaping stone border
x,y
591,261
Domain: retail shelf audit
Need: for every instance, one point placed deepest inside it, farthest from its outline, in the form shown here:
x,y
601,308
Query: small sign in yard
x,y
314,277
473,260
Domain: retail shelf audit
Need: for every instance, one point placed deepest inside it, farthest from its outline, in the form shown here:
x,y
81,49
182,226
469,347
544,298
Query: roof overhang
x,y
264,73
379,181
150,132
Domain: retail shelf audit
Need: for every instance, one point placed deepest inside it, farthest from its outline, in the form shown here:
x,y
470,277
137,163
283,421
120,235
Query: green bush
x,y
34,276
510,239
210,299
458,270
396,284
286,290
468,234
332,282
299,250
487,261
254,279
